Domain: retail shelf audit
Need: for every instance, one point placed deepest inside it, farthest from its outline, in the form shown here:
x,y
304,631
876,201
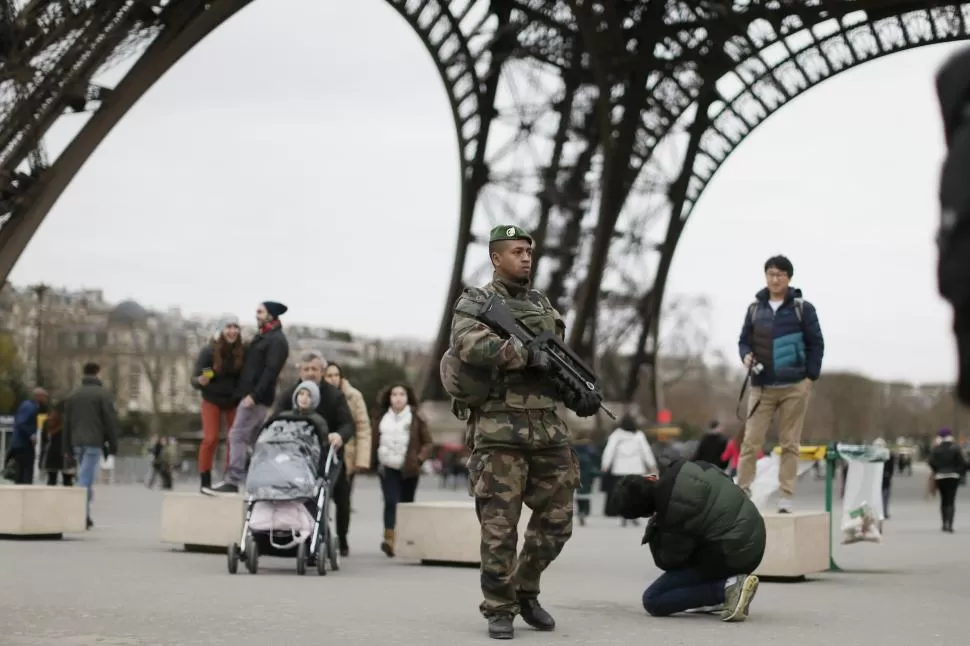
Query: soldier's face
x,y
514,259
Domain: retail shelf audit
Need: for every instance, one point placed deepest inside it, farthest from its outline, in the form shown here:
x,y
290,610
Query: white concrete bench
x,y
443,532
797,545
200,522
36,511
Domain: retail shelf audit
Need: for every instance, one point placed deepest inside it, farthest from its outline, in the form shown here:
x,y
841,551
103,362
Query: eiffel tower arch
x,y
592,123
727,72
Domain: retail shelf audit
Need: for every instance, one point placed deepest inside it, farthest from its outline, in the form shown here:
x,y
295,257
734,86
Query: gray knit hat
x,y
225,322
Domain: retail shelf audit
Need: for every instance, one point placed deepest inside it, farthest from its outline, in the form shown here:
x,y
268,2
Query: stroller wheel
x,y
232,557
322,559
333,551
252,555
301,554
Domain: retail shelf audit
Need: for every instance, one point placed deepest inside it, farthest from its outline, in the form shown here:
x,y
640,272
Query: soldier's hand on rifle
x,y
538,360
587,404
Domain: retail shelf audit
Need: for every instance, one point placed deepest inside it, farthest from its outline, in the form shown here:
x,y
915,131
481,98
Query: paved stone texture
x,y
118,585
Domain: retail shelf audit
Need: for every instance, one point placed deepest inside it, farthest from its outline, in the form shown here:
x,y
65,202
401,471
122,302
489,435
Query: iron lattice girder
x,y
471,41
51,62
773,62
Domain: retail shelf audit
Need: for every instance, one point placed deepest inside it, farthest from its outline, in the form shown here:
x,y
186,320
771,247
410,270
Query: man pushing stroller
x,y
295,461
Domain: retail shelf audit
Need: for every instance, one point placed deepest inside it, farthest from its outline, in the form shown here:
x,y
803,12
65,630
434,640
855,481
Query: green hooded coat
x,y
704,521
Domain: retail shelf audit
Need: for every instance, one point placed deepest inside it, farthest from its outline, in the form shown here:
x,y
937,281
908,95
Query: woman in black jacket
x,y
216,374
948,464
54,456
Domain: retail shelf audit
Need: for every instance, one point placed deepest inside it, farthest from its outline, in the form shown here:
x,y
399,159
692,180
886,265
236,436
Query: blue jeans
x,y
88,462
680,590
396,489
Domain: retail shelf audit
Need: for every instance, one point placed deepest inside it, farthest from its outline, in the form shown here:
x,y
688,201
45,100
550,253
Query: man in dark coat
x,y
90,428
711,446
704,533
256,389
22,449
332,407
335,410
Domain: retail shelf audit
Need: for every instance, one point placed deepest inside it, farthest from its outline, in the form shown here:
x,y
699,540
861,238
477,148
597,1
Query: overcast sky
x,y
309,157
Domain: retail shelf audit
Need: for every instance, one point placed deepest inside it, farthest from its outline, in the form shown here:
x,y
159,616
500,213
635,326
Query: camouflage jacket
x,y
521,407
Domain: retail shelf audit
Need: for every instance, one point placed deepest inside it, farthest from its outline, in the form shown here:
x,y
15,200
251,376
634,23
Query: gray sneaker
x,y
707,610
738,597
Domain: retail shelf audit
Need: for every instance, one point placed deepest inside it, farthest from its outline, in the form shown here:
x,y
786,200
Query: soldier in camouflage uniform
x,y
520,448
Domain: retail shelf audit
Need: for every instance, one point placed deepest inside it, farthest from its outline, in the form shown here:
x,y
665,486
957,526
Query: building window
x,y
134,382
173,383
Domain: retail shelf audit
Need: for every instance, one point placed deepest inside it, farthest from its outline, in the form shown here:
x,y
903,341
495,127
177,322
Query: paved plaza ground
x,y
117,585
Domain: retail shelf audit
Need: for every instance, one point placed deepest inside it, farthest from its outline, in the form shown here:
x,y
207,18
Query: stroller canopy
x,y
286,458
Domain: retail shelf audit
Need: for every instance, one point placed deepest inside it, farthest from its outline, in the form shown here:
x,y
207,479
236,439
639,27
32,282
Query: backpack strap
x,y
798,308
753,311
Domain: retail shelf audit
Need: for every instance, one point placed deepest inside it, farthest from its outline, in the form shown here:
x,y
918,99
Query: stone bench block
x,y
797,545
42,512
201,522
443,532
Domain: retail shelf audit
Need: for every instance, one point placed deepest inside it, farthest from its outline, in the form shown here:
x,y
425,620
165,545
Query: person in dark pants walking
x,y
54,456
333,408
357,452
948,464
22,449
401,444
888,470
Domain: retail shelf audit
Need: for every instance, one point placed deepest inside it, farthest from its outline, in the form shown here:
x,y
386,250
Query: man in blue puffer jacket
x,y
781,344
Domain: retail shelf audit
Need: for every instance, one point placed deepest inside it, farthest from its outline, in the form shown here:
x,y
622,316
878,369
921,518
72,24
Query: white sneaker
x,y
784,505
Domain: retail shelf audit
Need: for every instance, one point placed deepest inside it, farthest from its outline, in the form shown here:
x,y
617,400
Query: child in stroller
x,y
288,490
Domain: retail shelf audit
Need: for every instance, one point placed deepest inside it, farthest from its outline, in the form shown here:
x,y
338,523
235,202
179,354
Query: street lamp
x,y
40,290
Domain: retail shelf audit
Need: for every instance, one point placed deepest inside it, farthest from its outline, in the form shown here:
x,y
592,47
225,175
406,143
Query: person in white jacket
x,y
627,453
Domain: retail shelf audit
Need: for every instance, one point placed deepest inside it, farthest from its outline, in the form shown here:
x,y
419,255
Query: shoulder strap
x,y
798,308
753,311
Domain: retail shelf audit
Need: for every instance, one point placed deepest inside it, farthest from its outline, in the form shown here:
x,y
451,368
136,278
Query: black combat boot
x,y
500,627
206,478
535,615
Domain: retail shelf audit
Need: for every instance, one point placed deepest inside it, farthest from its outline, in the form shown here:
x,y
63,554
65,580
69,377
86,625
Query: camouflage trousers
x,y
502,480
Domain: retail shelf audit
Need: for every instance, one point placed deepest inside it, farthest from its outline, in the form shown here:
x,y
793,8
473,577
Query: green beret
x,y
508,232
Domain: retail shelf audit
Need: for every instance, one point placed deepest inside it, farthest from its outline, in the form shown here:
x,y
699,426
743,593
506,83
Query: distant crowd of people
x,y
79,432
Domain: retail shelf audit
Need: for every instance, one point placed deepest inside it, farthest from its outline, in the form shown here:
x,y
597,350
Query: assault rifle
x,y
568,370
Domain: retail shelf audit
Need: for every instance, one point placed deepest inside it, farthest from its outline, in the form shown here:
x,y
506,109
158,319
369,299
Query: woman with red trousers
x,y
216,374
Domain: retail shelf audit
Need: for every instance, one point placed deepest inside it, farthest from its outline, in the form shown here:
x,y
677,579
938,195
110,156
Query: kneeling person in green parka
x,y
704,533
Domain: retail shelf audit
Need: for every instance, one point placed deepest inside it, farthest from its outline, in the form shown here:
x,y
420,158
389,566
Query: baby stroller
x,y
288,497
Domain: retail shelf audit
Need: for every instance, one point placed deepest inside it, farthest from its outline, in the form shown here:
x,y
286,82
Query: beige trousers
x,y
791,403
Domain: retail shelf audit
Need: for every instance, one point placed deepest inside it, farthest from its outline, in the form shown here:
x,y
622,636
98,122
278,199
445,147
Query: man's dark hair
x,y
91,369
781,263
497,246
